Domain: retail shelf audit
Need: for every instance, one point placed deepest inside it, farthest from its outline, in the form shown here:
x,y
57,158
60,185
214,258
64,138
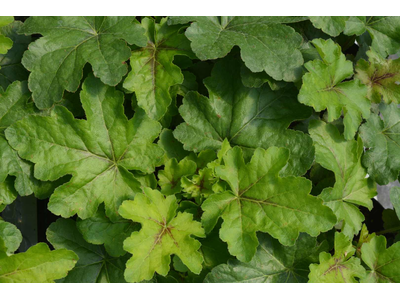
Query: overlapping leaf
x,y
247,117
323,87
330,25
381,136
94,264
97,153
57,59
163,233
153,72
381,76
266,43
5,42
260,200
10,236
351,188
272,262
170,177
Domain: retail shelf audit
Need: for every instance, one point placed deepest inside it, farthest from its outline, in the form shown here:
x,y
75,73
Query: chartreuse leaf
x,y
153,71
384,263
330,25
247,117
351,188
200,185
94,265
97,153
100,230
163,233
5,42
266,44
381,136
342,267
10,235
260,200
11,68
37,265
272,262
381,76
57,59
323,87
170,177
384,31
395,199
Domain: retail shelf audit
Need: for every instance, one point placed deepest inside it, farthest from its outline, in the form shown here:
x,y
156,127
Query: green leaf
x,y
351,188
163,233
381,136
98,153
153,71
260,200
37,265
5,42
199,185
171,146
256,80
94,265
265,43
57,59
384,263
323,87
100,230
247,117
355,26
381,76
395,199
170,177
11,236
271,263
330,25
11,68
339,268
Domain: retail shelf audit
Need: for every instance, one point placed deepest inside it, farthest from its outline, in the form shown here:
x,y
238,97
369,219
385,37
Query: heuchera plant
x,y
202,149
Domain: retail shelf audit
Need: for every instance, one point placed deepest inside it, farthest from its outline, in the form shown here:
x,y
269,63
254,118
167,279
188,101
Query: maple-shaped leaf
x,y
384,32
331,25
381,136
272,263
381,76
384,263
170,177
247,117
351,188
163,233
11,68
57,59
11,236
99,230
260,200
342,267
37,265
323,87
266,43
5,42
94,264
153,71
97,152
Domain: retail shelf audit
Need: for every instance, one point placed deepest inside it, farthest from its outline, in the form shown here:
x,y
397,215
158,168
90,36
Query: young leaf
x,y
97,153
247,117
200,185
153,72
339,268
351,187
323,87
260,200
57,59
100,230
381,136
37,265
5,42
163,233
271,263
381,76
11,236
266,43
330,25
94,265
384,263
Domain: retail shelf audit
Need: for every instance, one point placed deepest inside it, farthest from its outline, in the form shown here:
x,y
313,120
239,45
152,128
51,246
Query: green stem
x,y
390,230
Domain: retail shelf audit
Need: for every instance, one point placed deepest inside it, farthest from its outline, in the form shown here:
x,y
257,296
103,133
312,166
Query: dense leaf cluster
x,y
201,149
